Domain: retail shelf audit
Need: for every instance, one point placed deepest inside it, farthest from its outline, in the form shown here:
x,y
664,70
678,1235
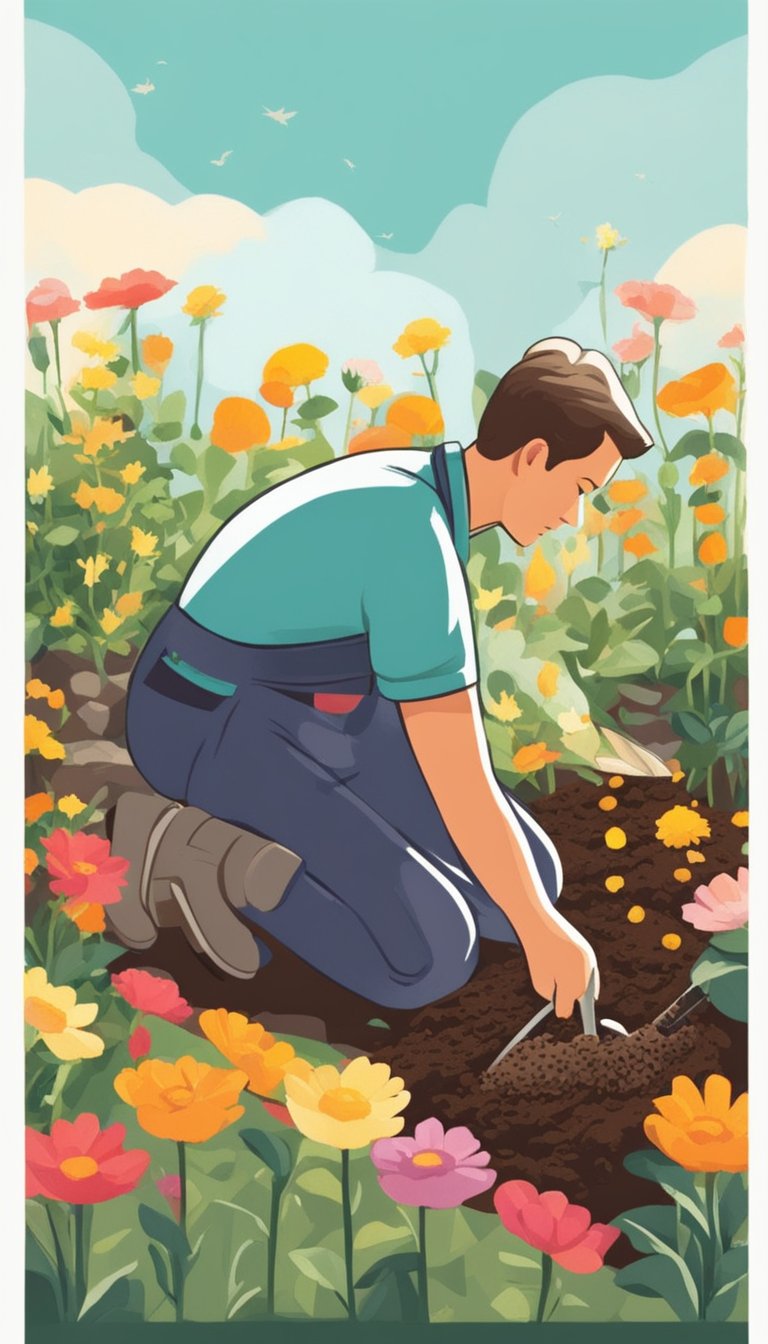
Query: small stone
x,y
85,684
693,856
95,716
97,753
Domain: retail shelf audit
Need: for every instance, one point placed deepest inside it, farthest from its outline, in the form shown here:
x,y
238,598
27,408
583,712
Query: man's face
x,y
538,501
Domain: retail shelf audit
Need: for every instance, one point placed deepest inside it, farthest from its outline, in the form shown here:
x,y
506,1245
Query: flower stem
x,y
657,321
274,1222
56,352
346,1213
423,1276
603,319
80,1267
546,1279
429,377
349,422
713,1237
182,1269
134,342
61,1265
196,432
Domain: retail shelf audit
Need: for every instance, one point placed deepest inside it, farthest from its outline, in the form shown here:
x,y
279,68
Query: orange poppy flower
x,y
713,549
416,415
239,424
533,757
277,393
702,392
710,514
36,806
379,436
701,1132
626,492
640,545
708,469
185,1100
735,630
156,353
248,1046
624,519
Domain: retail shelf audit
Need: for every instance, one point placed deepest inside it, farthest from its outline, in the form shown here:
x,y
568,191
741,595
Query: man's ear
x,y
532,451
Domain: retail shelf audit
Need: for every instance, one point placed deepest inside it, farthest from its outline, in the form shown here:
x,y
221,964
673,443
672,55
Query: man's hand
x,y
560,962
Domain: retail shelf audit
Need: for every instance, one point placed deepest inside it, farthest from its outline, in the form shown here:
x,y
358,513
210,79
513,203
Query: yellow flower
x,y
94,567
143,543
572,558
37,689
101,434
130,474
505,708
572,722
374,395
295,365
204,301
110,621
71,805
100,497
595,522
56,700
347,1109
129,604
97,379
681,826
92,346
32,529
249,1047
54,1012
607,237
614,883
615,837
547,679
39,484
540,576
144,385
187,1100
37,737
740,819
62,616
533,757
636,914
419,336
488,598
701,1132
283,445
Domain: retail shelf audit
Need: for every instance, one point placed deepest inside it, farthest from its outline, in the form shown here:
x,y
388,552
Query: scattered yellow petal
x,y
614,883
677,776
615,837
740,819
607,804
682,874
56,700
671,941
693,856
37,689
694,802
615,782
636,914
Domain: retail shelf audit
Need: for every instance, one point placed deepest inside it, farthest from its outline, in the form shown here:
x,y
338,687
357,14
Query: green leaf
x,y
665,1277
649,1225
733,1207
376,1232
378,1022
171,429
704,495
693,444
161,1270
594,589
403,1262
213,467
598,637
272,1150
38,352
323,1266
674,1179
119,365
731,1268
321,1182
733,940
184,458
512,1304
172,407
63,535
165,1230
633,656
108,1293
316,408
724,980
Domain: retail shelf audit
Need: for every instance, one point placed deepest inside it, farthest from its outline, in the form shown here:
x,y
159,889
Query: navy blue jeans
x,y
383,902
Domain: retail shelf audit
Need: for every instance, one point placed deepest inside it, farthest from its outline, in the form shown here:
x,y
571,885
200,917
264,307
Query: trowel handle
x,y
587,1007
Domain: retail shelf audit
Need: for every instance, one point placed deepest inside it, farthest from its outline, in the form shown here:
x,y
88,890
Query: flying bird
x,y
280,116
220,162
161,62
349,163
386,235
553,218
640,177
146,87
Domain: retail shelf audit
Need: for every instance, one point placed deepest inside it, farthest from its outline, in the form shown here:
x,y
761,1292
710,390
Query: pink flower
x,y
553,1226
131,290
170,1188
82,1163
139,1043
157,995
367,368
49,301
636,347
722,905
732,339
436,1169
655,301
83,868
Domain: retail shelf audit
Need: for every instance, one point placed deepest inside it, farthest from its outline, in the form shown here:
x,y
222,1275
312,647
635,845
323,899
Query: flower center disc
x,y
344,1103
178,1097
44,1016
427,1160
705,1128
80,866
77,1168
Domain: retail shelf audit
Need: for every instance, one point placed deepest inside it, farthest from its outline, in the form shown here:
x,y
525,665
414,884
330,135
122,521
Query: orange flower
x,y
88,916
703,392
713,549
277,394
248,1046
624,519
710,514
701,1132
36,805
626,492
539,576
239,424
533,757
640,545
31,861
416,415
185,1100
379,436
297,365
707,469
156,353
735,631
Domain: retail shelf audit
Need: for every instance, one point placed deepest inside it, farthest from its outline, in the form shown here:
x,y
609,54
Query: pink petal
x,y
460,1142
538,1226
429,1133
480,1159
724,888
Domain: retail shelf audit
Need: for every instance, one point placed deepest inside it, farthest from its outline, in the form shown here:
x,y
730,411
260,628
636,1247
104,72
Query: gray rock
x,y
121,679
97,753
85,683
95,716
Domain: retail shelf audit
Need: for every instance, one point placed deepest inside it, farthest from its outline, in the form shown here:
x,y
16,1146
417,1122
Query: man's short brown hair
x,y
564,394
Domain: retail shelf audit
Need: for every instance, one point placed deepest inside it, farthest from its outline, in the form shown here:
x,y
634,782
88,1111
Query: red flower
x,y
139,1043
48,301
636,347
83,868
278,1112
82,1163
154,994
652,300
555,1227
131,290
170,1188
732,339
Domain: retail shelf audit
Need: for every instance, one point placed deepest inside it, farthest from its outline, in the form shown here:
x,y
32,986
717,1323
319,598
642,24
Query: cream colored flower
x,y
347,1109
56,1015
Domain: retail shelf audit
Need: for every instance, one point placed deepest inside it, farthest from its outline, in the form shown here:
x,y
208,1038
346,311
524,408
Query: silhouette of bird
x,y
146,87
349,163
280,116
220,162
553,218
640,177
386,235
161,62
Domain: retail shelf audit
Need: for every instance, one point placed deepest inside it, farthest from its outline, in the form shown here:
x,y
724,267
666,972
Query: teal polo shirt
x,y
358,545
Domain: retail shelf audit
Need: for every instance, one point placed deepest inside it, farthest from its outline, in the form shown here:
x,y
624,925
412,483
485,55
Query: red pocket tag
x,y
336,704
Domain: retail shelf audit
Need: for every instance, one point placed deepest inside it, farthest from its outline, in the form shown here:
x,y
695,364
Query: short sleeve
x,y
416,605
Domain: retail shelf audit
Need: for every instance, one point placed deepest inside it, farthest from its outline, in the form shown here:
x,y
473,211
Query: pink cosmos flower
x,y
553,1226
131,290
732,339
656,301
170,1188
367,368
636,347
722,905
82,1163
157,995
83,868
436,1169
49,301
139,1043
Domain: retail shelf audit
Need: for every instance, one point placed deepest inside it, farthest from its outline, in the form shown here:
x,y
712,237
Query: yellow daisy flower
x,y
56,1015
348,1108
